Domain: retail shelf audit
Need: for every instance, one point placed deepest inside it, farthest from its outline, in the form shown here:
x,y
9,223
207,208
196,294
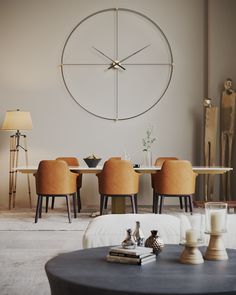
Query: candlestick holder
x,y
216,249
191,237
191,254
216,214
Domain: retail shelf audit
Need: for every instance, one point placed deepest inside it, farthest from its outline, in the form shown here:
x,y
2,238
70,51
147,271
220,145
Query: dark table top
x,y
87,272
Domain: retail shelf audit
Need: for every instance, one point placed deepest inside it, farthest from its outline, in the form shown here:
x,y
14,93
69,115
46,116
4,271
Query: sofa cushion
x,y
107,230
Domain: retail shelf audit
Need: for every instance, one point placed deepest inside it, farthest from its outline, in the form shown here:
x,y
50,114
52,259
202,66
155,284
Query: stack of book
x,y
139,255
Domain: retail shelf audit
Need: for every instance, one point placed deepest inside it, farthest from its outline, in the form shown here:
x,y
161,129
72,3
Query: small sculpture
x,y
155,242
227,128
128,243
228,86
138,235
207,103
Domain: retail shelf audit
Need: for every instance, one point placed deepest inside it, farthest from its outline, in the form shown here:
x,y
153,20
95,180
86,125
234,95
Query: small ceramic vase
x,y
129,242
138,235
154,242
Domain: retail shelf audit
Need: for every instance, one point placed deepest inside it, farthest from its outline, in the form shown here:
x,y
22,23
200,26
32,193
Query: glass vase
x,y
148,158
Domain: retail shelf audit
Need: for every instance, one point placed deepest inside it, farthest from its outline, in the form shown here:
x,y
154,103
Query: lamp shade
x,y
17,120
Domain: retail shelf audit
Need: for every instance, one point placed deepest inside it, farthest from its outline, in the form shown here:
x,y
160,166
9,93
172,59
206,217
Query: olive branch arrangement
x,y
148,140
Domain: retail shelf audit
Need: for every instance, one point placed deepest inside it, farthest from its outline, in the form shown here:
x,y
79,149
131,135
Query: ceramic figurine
x,y
138,235
128,243
154,242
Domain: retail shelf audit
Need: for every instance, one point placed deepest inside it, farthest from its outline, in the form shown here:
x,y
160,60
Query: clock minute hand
x,y
114,63
118,63
135,53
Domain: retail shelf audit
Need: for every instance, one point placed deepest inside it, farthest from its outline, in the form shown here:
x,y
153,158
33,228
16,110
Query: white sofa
x,y
107,230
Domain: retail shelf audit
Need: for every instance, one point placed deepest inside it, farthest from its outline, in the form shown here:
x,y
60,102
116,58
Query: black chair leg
x,y
68,207
53,201
78,200
155,202
40,207
181,202
102,197
37,209
74,205
132,203
161,204
136,203
186,203
46,208
190,204
105,202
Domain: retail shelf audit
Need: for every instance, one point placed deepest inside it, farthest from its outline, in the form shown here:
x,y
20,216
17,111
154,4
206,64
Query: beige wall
x,y
32,35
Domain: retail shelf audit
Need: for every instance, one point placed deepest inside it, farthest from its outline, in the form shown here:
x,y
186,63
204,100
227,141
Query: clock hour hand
x,y
113,65
114,62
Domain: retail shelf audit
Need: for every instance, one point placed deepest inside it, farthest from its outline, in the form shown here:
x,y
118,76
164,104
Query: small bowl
x,y
92,163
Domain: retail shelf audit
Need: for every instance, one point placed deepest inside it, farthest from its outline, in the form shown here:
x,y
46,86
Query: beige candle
x,y
191,236
216,222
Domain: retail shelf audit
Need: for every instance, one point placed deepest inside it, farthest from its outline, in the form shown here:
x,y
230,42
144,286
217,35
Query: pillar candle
x,y
216,222
191,236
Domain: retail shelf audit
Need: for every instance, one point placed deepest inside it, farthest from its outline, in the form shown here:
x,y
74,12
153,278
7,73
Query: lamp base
x,y
216,249
191,255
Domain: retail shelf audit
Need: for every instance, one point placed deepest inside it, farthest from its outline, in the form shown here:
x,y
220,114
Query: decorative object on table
x,y
210,140
138,235
139,255
191,237
154,242
92,161
126,156
113,99
147,141
216,220
136,165
128,242
16,121
227,131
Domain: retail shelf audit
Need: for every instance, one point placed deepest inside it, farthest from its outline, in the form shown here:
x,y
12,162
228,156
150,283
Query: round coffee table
x,y
86,272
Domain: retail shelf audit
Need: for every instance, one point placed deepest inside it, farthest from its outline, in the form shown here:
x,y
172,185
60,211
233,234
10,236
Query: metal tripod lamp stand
x,y
16,121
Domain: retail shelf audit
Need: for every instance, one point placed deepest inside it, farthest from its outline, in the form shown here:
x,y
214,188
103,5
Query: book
x,y
136,251
129,260
114,253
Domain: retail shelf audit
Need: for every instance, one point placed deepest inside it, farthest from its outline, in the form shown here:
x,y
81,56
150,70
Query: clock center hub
x,y
116,64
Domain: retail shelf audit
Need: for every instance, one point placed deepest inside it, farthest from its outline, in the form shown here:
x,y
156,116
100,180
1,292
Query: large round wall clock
x,y
117,64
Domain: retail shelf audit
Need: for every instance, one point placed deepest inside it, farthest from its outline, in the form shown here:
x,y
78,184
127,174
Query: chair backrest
x,y
159,162
54,178
118,178
176,177
115,158
71,161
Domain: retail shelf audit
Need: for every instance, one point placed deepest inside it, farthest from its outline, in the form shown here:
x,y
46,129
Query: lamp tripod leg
x,y
28,178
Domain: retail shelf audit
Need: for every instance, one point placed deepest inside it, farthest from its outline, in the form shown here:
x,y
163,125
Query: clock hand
x,y
114,62
118,63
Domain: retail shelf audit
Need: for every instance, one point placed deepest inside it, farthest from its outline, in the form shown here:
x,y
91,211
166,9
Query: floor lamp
x,y
17,120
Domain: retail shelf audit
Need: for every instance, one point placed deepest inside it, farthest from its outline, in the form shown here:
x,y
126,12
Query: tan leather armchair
x,y
175,179
72,161
54,179
159,162
118,179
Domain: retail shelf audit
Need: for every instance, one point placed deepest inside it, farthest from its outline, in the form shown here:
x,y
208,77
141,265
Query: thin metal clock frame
x,y
117,64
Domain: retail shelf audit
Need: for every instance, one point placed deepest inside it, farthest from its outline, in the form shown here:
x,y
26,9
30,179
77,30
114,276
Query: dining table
x,y
118,204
